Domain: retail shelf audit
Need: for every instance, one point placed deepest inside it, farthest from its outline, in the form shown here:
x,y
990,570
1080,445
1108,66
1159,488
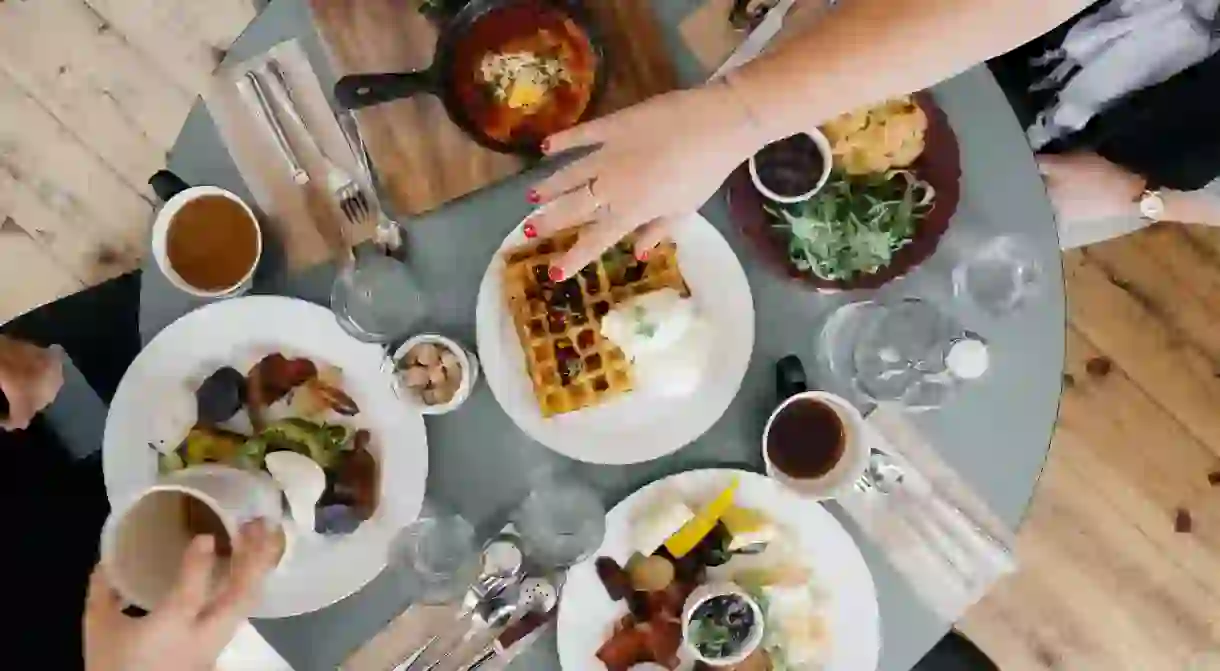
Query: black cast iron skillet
x,y
365,90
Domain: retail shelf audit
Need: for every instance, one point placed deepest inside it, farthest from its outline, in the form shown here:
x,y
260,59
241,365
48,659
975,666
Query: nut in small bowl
x,y
434,374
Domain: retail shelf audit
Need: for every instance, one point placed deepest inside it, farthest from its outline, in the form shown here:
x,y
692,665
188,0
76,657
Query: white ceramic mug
x,y
851,465
143,541
177,195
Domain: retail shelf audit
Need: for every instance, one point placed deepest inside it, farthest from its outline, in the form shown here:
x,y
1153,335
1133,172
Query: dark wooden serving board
x,y
422,159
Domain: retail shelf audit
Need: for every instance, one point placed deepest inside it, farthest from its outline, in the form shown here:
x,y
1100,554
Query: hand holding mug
x,y
196,621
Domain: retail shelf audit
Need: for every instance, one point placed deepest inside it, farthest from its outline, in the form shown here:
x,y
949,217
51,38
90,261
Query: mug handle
x,y
790,378
167,185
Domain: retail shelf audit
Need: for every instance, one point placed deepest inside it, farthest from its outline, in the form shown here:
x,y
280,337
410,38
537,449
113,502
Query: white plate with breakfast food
x,y
236,382
723,567
628,360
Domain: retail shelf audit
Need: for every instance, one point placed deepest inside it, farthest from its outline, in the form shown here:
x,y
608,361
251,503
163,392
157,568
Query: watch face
x,y
1152,206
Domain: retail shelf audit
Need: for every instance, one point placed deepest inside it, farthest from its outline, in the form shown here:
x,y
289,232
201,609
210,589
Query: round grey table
x,y
997,435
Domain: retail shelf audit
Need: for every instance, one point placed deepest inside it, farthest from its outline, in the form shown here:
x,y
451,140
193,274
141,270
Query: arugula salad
x,y
855,224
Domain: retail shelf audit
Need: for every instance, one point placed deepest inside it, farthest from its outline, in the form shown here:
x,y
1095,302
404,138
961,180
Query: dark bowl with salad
x,y
862,231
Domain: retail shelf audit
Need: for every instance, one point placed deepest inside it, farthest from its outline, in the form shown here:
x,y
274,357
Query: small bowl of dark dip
x,y
791,170
721,624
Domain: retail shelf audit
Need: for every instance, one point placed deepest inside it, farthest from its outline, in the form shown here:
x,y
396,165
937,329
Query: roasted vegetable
x,y
334,398
316,441
271,379
208,445
220,396
336,520
650,574
616,580
356,478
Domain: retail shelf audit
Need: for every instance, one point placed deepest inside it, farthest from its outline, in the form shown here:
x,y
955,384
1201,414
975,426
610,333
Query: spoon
x,y
886,477
303,482
501,562
538,596
499,611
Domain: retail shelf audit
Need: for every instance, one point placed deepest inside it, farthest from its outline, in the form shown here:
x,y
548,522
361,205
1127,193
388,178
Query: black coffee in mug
x,y
807,439
813,442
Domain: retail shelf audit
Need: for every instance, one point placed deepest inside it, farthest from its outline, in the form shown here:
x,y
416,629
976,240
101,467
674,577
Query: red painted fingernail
x,y
642,255
546,145
533,197
531,231
555,273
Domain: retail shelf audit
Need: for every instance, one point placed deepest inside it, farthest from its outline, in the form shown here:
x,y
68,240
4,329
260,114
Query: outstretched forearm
x,y
1192,207
864,51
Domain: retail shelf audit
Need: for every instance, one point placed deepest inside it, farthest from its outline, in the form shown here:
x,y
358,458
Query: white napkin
x,y
249,651
932,529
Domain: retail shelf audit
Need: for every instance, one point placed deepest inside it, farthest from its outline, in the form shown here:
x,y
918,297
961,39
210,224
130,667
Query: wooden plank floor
x,y
1107,582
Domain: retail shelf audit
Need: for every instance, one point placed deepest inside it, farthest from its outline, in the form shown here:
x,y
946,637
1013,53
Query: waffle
x,y
570,364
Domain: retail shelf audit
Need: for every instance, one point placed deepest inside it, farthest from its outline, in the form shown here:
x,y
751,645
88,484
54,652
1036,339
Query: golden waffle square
x,y
570,364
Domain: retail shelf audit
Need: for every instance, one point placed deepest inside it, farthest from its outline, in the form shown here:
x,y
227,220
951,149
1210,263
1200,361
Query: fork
x,y
343,187
388,235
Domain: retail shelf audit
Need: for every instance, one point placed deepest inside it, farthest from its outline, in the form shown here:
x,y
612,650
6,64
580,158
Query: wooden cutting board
x,y
422,159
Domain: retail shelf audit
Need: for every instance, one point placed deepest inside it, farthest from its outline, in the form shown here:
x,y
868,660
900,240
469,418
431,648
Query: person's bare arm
x,y
1086,188
662,159
1192,207
864,51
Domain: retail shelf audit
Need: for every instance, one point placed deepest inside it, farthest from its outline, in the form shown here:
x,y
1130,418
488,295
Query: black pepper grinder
x,y
790,378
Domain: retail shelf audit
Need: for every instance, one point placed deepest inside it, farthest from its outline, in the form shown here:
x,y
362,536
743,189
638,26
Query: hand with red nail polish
x,y
530,231
655,162
533,197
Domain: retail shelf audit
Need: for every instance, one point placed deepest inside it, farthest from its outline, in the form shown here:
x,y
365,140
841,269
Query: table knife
x,y
512,635
299,176
757,40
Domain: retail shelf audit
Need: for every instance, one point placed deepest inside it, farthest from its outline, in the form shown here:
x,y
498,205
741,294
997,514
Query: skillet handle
x,y
357,91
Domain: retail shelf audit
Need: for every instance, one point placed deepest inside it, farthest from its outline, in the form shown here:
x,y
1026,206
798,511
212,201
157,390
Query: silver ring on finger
x,y
598,206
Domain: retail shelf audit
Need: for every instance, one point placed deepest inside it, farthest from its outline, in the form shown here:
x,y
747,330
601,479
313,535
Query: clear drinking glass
x,y
561,523
438,552
376,299
906,351
999,275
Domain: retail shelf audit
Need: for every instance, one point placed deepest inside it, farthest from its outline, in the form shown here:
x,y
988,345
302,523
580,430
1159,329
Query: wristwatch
x,y
1152,205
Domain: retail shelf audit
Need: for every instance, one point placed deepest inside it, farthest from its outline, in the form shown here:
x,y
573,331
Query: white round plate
x,y
156,397
587,616
637,426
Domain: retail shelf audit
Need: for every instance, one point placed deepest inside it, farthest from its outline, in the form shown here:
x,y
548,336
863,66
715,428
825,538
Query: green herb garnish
x,y
643,327
854,224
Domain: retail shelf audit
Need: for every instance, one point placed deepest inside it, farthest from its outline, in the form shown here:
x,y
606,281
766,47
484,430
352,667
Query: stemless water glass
x,y
376,299
998,275
439,554
561,523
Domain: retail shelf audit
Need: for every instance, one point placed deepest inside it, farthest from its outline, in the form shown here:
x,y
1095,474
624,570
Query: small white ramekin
x,y
708,592
470,374
827,160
